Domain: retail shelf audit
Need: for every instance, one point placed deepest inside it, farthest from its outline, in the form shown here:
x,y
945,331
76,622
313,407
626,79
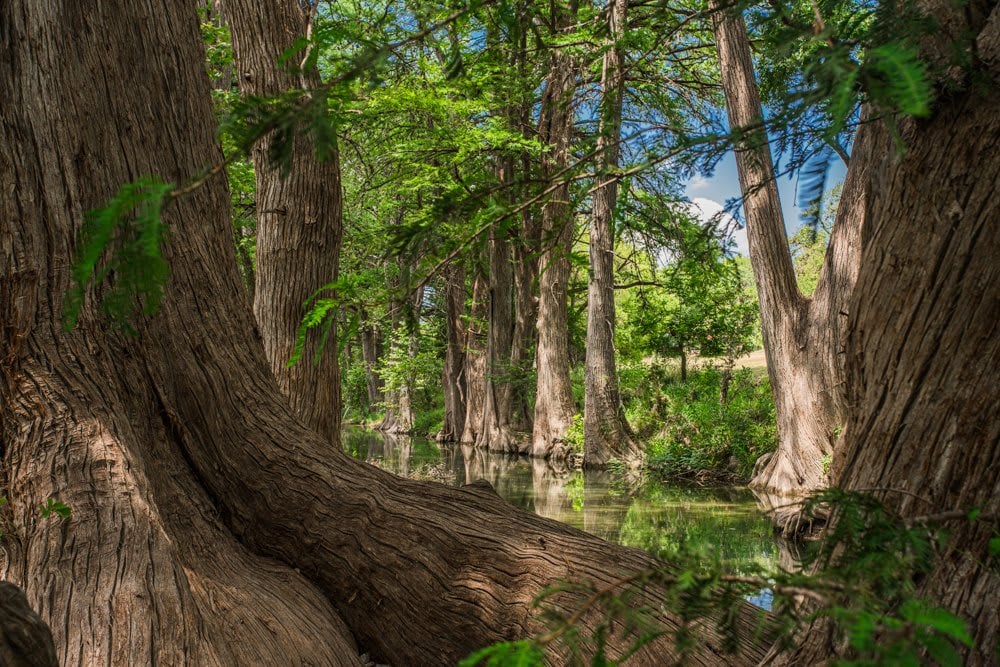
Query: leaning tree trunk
x,y
298,216
802,337
554,403
606,433
210,525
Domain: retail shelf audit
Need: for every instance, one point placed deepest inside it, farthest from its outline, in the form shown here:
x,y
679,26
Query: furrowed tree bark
x,y
145,571
923,343
606,433
475,358
454,355
210,525
299,226
525,251
495,433
554,403
802,337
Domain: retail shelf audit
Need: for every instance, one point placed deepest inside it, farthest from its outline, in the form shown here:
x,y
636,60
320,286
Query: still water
x,y
723,523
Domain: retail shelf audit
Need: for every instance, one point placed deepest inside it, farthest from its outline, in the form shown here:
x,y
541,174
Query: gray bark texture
x,y
495,433
299,224
554,403
923,342
606,433
454,360
803,338
475,359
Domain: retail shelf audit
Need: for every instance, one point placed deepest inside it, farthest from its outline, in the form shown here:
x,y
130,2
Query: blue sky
x,y
710,194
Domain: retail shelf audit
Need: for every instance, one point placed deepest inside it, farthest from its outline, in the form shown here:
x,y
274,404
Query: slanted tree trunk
x,y
475,359
454,355
802,337
299,223
606,433
554,404
210,525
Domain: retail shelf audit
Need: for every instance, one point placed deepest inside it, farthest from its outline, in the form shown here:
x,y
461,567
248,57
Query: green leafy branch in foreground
x,y
860,583
123,239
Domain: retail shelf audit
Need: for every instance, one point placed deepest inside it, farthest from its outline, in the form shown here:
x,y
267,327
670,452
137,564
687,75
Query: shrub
x,y
700,434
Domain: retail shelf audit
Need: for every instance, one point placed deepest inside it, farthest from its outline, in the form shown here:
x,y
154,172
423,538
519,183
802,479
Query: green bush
x,y
428,422
700,434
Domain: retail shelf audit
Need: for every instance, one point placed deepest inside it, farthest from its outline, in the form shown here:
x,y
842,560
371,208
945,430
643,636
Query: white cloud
x,y
707,209
697,182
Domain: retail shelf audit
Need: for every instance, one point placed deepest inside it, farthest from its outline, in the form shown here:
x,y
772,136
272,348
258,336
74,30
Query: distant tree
x,y
703,306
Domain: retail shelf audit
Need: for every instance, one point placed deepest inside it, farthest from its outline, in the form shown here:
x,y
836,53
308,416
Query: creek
x,y
724,523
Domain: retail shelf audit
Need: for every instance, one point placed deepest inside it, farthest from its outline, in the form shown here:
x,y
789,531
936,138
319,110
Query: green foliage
x,y
863,573
123,242
524,653
428,421
703,306
57,507
702,437
419,371
574,435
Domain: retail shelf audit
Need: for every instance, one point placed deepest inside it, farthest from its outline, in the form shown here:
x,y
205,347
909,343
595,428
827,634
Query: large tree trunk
x,y
923,343
495,433
802,337
924,347
210,526
454,355
525,251
554,404
605,429
299,217
475,359
145,572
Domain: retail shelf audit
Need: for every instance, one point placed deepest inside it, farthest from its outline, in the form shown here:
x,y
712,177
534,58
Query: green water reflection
x,y
722,523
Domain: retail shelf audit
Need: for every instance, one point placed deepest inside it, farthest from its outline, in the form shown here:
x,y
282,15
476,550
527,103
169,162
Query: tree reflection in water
x,y
723,523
